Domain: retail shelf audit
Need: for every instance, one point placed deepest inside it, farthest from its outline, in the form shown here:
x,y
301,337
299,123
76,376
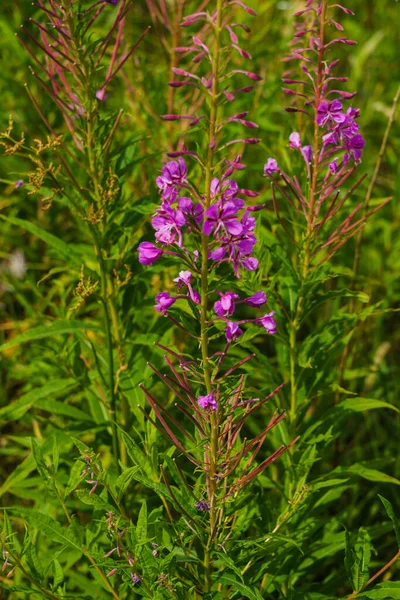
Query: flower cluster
x,y
337,143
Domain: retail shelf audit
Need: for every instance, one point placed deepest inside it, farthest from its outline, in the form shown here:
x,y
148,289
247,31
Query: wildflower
x,y
164,302
167,224
232,332
112,572
184,279
135,578
155,550
225,306
172,177
271,166
268,322
223,217
19,184
202,505
208,402
148,253
101,95
258,299
330,112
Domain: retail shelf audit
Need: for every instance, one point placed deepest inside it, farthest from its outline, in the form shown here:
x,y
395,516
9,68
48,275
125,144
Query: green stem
x,y
306,256
211,455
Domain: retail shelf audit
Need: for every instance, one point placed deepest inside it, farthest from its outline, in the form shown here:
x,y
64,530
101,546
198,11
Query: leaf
x,y
124,480
58,574
17,409
43,331
39,460
74,477
390,511
93,499
389,590
252,594
64,249
372,474
141,527
47,526
63,409
363,404
20,473
357,558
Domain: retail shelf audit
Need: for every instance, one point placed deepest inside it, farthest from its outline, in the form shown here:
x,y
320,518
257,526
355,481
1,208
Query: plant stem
x,y
385,568
211,454
306,256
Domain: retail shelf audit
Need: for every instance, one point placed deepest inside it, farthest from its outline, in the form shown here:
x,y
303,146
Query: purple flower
x,y
135,578
196,212
164,302
19,184
224,217
271,166
101,95
115,2
233,332
173,176
184,278
294,140
226,188
307,153
354,146
333,166
168,223
258,299
208,402
202,505
225,306
330,113
268,322
148,253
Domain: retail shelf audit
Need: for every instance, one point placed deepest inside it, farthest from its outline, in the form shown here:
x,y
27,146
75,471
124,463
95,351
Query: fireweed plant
x,y
194,484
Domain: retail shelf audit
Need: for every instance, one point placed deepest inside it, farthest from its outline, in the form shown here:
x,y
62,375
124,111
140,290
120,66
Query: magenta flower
x,y
164,302
148,253
268,322
227,189
202,505
173,176
232,332
223,217
258,299
167,224
271,166
135,578
185,278
225,306
208,402
330,113
354,146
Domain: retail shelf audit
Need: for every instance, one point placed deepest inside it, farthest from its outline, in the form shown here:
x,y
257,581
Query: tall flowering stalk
x,y
209,228
330,146
77,71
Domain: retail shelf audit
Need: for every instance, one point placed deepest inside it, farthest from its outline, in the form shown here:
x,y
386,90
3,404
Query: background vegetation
x,y
51,386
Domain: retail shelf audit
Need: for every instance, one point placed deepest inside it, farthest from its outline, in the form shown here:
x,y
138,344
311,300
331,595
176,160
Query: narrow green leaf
x,y
141,527
47,526
363,404
17,409
39,460
66,250
390,511
124,480
389,590
63,409
251,593
43,331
